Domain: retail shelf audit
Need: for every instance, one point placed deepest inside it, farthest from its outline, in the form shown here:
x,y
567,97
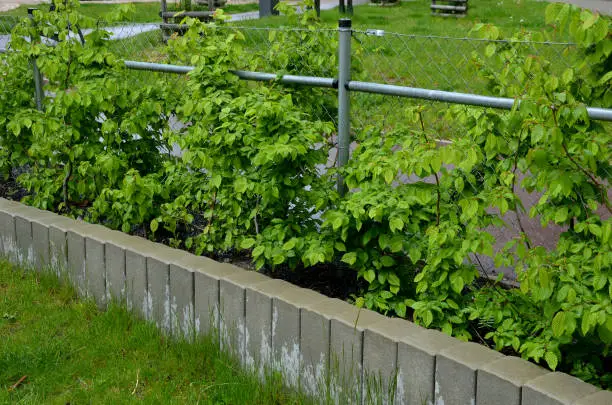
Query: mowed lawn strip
x,y
70,352
143,12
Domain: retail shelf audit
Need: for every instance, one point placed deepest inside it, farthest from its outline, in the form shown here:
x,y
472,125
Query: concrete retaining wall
x,y
323,346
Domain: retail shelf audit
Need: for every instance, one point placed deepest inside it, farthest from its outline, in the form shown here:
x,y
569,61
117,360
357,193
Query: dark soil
x,y
11,190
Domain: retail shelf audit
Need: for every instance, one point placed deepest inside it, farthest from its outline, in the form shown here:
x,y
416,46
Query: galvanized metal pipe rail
x,y
312,81
596,113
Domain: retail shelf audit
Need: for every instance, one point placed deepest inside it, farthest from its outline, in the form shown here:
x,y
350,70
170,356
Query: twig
x,y
137,381
598,186
516,211
65,185
255,218
219,385
18,383
435,174
66,81
212,211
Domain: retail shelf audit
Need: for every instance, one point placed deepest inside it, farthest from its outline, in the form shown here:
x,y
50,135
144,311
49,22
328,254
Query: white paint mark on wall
x,y
313,376
147,305
400,390
290,363
439,398
186,320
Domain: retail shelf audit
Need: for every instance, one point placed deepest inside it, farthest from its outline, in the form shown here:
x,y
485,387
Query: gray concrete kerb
x,y
259,328
204,265
500,382
380,358
287,309
456,372
556,389
232,309
599,398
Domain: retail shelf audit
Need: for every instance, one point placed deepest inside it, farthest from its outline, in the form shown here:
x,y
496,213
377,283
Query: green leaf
x,y
428,318
247,243
396,224
595,229
400,309
154,225
349,258
558,324
456,281
240,185
551,360
459,184
393,279
369,275
387,261
258,251
561,215
599,281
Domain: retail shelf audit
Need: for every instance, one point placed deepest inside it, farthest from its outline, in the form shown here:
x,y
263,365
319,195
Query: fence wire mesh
x,y
442,63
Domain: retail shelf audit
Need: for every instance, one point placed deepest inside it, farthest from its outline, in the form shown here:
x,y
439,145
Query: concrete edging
x,y
321,345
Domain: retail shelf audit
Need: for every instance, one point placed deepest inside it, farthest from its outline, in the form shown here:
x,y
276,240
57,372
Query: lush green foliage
x,y
252,177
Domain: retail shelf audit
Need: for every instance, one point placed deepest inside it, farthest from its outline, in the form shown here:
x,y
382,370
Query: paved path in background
x,y
602,6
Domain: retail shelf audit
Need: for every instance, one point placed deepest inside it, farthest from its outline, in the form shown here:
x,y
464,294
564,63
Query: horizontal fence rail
x,y
504,103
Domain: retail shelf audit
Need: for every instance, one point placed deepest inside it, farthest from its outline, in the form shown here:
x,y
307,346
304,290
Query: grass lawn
x,y
414,17
73,353
144,12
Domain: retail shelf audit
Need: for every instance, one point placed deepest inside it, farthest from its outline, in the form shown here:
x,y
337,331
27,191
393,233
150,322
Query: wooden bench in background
x,y
449,8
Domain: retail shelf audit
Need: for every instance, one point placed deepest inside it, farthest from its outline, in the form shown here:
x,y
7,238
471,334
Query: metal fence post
x,y
344,110
38,93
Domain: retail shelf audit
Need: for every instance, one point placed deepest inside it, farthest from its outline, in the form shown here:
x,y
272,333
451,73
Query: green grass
x,y
144,12
73,353
414,17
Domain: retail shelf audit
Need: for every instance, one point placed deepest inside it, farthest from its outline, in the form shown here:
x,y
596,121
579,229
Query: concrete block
x,y
58,251
8,237
456,369
315,330
380,353
158,293
182,301
599,398
556,389
258,335
500,382
286,351
416,360
77,266
207,276
25,244
346,350
115,271
143,281
232,312
32,235
40,231
96,270
136,283
58,244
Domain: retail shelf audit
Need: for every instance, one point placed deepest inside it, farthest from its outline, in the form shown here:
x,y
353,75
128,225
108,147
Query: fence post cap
x,y
344,23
